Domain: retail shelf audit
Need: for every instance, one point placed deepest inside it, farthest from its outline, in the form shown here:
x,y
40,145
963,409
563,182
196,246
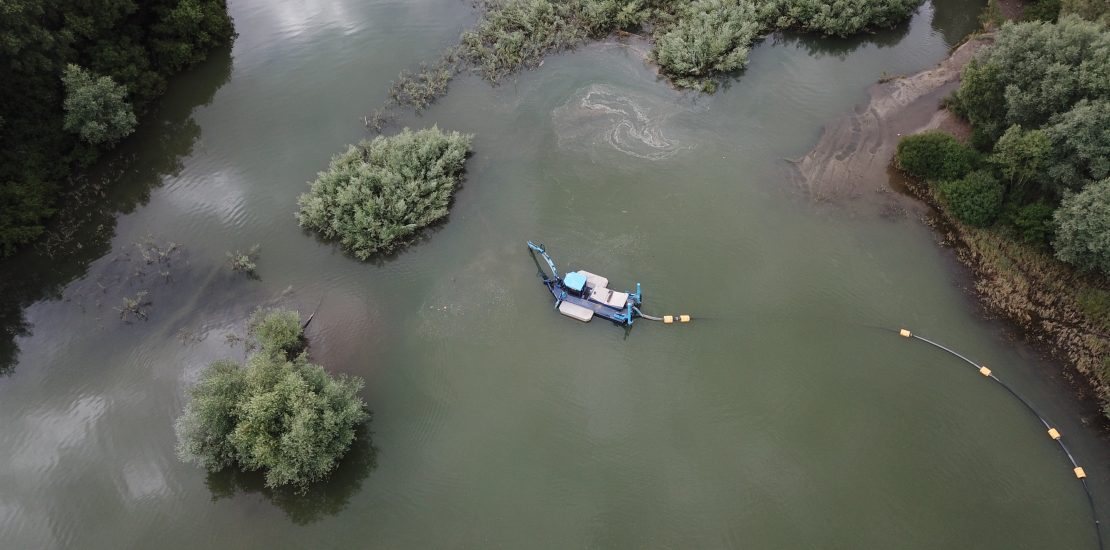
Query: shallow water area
x,y
780,418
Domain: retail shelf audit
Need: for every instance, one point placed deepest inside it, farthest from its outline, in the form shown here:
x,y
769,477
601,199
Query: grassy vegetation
x,y
695,42
277,413
377,196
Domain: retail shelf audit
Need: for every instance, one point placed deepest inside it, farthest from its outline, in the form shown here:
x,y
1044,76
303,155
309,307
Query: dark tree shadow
x,y
84,226
838,47
954,20
320,500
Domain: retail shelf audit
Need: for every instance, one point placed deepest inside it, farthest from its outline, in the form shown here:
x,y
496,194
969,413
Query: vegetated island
x,y
278,412
76,75
1027,201
694,43
375,197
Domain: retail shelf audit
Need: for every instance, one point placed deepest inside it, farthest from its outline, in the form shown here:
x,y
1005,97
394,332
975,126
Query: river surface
x,y
780,418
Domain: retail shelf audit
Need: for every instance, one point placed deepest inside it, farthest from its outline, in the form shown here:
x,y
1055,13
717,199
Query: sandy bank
x,y
853,154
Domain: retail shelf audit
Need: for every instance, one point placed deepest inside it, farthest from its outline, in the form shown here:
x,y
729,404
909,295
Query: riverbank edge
x,y
1024,284
1036,293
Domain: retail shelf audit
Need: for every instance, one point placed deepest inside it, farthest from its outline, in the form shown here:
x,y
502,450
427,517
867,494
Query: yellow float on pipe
x,y
684,318
668,319
1053,433
984,371
1079,473
905,333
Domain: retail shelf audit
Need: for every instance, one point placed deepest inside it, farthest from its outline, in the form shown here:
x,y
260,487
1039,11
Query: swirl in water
x,y
601,114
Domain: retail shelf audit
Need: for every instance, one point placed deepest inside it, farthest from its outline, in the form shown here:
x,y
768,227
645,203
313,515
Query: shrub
x,y
277,331
96,108
378,195
1033,222
518,33
244,262
710,36
1083,228
974,199
934,155
279,413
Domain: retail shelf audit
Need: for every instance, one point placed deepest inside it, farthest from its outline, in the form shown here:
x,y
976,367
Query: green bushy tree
x,y
96,107
1080,140
1021,157
1091,10
376,196
278,413
1034,71
934,156
1083,228
975,199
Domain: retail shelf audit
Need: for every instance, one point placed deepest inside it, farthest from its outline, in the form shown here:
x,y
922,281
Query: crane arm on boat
x,y
583,295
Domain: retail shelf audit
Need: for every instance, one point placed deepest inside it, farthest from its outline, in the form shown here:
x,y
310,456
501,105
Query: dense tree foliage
x,y
1033,72
1080,141
710,36
975,199
1021,157
95,107
376,196
1083,228
934,156
1039,103
53,120
278,413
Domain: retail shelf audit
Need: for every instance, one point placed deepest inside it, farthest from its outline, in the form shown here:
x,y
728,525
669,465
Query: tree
x,y
1083,228
280,413
1034,71
1021,156
1080,140
375,197
975,199
96,108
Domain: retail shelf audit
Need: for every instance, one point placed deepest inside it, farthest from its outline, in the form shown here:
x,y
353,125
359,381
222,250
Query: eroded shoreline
x,y
1026,287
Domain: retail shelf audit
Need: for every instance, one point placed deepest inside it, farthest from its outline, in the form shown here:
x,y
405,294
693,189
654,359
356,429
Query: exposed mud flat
x,y
851,158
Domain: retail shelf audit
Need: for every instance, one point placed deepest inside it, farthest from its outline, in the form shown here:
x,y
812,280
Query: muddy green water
x,y
779,419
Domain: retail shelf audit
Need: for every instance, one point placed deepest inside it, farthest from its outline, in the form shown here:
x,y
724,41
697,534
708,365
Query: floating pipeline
x,y
1052,432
